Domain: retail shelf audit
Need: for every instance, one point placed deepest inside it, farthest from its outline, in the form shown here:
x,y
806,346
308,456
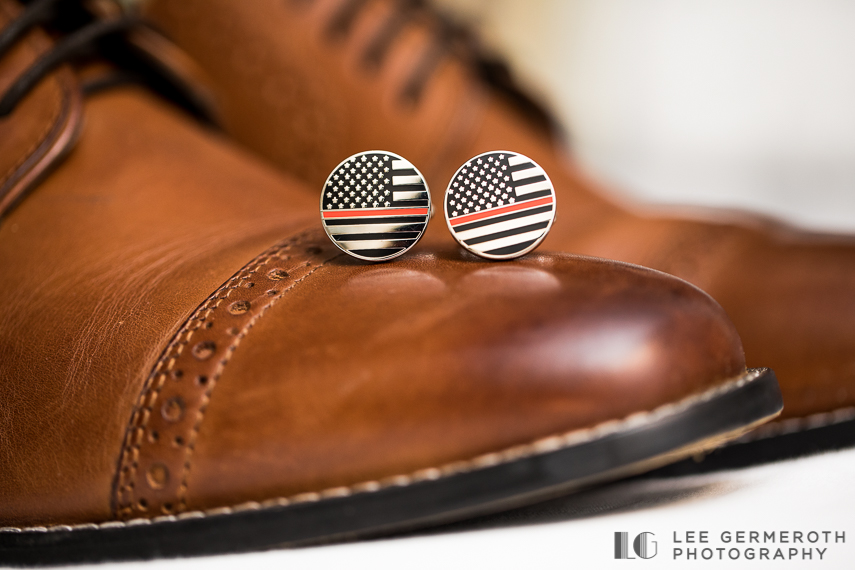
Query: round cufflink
x,y
375,205
499,205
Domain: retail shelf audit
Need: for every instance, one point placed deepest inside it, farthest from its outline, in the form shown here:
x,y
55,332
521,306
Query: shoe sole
x,y
518,476
777,441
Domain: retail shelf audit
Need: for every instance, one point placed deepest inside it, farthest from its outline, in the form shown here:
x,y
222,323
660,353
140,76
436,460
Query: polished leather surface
x,y
132,260
440,358
296,88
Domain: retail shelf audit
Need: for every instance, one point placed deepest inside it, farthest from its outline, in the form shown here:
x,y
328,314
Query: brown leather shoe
x,y
188,365
304,83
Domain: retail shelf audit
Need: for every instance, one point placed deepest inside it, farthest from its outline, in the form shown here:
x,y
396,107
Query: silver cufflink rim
x,y
331,220
477,215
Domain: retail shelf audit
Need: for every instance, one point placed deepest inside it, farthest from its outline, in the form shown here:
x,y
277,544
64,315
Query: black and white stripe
x,y
528,178
408,186
375,205
500,205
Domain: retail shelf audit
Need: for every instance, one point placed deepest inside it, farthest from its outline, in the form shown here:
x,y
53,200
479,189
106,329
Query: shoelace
x,y
448,39
82,41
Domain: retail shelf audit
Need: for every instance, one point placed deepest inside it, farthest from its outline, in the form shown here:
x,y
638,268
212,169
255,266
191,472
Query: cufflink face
x,y
375,205
499,205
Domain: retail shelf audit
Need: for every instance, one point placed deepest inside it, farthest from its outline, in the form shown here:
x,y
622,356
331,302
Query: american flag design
x,y
375,205
500,205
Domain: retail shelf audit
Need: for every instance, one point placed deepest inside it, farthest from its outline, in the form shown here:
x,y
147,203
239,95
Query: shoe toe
x,y
361,373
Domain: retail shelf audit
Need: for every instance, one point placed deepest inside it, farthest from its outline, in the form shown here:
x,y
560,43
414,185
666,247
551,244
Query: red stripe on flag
x,y
499,211
374,212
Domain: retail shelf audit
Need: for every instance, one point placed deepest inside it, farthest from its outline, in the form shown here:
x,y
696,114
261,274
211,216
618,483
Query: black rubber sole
x,y
581,459
739,454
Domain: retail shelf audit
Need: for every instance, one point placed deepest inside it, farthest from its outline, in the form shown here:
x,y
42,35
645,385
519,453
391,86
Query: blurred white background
x,y
737,103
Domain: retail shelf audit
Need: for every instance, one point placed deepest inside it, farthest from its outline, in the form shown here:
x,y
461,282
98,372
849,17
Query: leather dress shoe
x,y
188,365
303,83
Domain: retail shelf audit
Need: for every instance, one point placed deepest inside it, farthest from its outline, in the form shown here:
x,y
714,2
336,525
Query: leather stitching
x,y
156,447
540,446
216,377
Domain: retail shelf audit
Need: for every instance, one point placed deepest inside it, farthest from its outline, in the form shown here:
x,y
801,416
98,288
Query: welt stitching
x,y
543,445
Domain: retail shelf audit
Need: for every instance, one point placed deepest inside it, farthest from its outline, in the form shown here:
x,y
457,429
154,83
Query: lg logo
x,y
643,546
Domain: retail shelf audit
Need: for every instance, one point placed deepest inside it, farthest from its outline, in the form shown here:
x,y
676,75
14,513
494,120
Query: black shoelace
x,y
89,36
448,38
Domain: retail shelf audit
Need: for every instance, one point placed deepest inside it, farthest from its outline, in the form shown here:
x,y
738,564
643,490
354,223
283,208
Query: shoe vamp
x,y
101,263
